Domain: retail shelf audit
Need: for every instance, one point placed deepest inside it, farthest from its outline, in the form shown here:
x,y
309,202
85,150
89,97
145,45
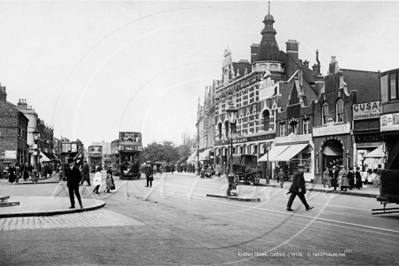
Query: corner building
x,y
260,90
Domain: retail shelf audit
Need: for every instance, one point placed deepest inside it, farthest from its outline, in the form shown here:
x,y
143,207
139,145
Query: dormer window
x,y
340,110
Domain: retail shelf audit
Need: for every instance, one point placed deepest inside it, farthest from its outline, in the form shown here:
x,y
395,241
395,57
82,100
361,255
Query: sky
x,y
91,69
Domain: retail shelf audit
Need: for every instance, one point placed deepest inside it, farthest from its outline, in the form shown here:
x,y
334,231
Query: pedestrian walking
x,y
358,178
172,169
351,178
97,180
334,178
26,172
149,173
343,178
73,180
61,173
218,170
281,177
298,188
11,174
326,178
17,173
109,182
85,172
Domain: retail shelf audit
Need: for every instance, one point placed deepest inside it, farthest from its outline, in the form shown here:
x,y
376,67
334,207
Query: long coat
x,y
298,182
343,179
334,178
358,179
85,172
73,177
148,171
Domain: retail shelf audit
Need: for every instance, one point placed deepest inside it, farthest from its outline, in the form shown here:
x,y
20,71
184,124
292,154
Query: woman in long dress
x,y
343,179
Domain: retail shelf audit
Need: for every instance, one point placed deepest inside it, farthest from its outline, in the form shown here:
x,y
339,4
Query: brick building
x,y
333,120
44,142
13,133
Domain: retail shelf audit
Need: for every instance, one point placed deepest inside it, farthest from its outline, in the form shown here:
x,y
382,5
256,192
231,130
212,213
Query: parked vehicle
x,y
245,168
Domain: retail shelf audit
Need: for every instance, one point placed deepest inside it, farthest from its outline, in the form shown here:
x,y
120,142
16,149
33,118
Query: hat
x,y
301,166
70,160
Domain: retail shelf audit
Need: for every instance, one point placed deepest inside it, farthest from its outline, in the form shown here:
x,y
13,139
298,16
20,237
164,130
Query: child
x,y
97,180
281,176
109,182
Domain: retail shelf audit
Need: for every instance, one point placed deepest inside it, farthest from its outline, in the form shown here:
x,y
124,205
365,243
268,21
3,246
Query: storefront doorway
x,y
332,154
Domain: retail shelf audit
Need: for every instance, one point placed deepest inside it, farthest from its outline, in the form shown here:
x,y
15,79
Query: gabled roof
x,y
366,83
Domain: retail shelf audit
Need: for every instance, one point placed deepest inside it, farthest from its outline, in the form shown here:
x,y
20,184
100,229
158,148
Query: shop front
x,y
333,146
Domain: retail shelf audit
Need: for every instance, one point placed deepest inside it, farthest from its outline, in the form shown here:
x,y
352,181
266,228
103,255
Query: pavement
x,y
366,191
40,205
50,205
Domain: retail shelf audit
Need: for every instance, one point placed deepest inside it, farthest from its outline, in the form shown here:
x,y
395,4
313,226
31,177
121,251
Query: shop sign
x,y
10,154
294,138
389,122
332,130
366,110
376,137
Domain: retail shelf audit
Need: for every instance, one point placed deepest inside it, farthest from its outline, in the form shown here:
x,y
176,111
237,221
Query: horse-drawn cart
x,y
245,168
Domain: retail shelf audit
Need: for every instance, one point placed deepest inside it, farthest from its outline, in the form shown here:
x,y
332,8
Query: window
x,y
266,120
392,86
282,130
340,110
293,127
306,126
324,112
384,88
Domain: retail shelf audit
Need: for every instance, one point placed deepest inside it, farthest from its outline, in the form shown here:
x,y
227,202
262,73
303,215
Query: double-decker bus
x,y
94,157
129,147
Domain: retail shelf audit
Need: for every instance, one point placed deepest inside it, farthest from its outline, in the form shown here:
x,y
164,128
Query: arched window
x,y
226,128
266,120
220,130
340,110
324,112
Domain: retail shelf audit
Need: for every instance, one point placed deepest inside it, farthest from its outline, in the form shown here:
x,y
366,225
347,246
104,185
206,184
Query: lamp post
x,y
231,112
36,135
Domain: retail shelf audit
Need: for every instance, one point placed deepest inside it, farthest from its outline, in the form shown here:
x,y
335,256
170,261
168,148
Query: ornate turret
x,y
268,48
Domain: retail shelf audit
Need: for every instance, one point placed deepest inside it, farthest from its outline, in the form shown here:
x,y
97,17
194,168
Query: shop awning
x,y
274,152
377,153
204,155
44,158
192,157
290,152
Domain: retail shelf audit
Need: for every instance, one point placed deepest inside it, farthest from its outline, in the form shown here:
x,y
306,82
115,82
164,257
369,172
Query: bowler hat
x,y
70,160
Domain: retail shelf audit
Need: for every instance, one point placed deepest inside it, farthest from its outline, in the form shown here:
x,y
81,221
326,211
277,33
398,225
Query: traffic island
x,y
239,198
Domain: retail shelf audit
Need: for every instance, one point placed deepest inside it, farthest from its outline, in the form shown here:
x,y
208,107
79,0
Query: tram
x,y
129,149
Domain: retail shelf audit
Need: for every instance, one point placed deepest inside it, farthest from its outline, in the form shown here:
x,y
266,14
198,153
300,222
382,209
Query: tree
x,y
164,152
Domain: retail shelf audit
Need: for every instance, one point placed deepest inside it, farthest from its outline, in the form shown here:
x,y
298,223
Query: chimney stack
x,y
293,56
22,105
254,52
3,93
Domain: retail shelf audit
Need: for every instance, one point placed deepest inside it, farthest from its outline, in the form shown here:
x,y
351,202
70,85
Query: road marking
x,y
98,218
285,213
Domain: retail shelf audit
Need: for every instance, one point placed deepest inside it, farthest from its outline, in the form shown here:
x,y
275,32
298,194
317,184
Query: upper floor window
x,y
306,126
324,112
266,120
283,131
393,86
220,130
340,110
294,127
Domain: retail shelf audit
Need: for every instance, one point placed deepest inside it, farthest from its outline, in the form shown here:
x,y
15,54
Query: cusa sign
x,y
368,110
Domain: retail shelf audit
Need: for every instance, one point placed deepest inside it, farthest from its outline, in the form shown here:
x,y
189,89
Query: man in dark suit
x,y
73,179
149,174
298,188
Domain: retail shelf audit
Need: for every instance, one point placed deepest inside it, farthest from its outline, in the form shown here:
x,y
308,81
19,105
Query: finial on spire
x,y
269,7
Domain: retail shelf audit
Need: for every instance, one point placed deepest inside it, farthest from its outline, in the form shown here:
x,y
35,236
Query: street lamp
x,y
36,135
231,112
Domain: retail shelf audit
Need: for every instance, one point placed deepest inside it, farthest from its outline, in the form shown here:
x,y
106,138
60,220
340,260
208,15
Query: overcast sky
x,y
93,68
